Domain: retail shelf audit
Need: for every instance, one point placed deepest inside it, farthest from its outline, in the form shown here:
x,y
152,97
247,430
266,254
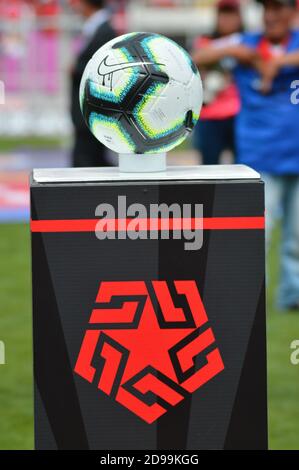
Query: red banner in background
x,y
11,10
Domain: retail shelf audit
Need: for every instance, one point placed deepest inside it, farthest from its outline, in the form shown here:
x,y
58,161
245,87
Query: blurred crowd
x,y
251,93
252,109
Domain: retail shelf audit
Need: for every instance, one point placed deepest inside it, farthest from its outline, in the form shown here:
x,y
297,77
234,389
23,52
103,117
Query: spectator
x,y
267,127
97,30
215,130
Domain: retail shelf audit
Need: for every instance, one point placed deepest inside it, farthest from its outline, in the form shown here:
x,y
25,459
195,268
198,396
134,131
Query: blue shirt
x,y
267,128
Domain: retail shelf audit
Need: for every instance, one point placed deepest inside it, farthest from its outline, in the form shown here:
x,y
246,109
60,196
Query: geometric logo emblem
x,y
148,345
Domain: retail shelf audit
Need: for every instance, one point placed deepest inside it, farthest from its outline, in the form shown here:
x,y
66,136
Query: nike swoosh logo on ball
x,y
107,70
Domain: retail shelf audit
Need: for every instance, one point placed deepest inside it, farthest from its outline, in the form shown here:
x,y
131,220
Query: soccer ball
x,y
141,93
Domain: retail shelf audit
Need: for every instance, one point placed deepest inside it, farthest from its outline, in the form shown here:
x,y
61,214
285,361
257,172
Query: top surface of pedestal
x,y
173,173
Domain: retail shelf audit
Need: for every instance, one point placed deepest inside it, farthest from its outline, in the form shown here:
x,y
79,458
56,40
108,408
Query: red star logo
x,y
148,345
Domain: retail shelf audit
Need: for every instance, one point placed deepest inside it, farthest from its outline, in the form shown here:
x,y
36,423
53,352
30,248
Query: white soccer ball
x,y
141,93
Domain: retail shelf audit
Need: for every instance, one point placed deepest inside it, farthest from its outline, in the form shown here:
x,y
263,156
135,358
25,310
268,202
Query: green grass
x,y
283,377
16,407
9,144
12,144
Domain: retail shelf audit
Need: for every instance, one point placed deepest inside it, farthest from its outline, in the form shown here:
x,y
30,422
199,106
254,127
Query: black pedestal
x,y
142,343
